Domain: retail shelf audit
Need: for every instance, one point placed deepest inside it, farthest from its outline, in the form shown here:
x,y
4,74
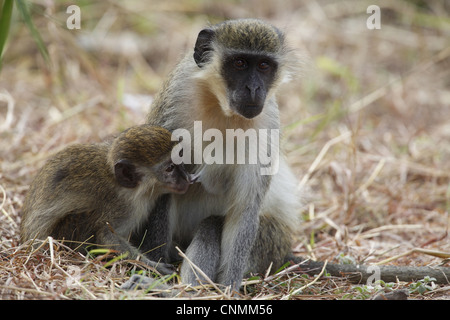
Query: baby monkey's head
x,y
141,156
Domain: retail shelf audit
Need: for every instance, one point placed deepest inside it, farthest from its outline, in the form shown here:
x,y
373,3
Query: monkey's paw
x,y
139,282
163,268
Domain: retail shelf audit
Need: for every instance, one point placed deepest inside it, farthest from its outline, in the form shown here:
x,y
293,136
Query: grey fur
x,y
237,193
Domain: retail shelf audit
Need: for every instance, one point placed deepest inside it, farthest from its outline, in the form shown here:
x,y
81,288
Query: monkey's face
x,y
172,178
164,177
248,79
244,53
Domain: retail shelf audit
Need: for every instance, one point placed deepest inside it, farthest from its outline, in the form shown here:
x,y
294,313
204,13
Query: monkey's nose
x,y
183,173
253,90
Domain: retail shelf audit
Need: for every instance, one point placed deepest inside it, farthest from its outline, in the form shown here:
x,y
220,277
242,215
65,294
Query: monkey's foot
x,y
139,282
163,268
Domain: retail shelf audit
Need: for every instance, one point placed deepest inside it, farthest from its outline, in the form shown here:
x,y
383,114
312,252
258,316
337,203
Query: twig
x,y
382,91
2,205
273,276
201,272
50,245
52,260
6,96
372,177
437,290
361,273
67,114
376,231
321,154
76,281
434,253
36,291
310,283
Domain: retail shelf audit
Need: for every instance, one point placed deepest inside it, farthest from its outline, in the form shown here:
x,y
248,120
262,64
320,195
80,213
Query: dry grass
x,y
367,131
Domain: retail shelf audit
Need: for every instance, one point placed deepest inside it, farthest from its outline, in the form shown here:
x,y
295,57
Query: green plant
x,y
366,291
5,22
345,259
422,286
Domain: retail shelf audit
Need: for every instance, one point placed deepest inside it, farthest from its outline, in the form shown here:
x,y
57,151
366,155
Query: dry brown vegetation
x,y
366,129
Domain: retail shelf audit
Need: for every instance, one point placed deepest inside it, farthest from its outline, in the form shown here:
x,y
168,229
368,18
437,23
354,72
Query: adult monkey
x,y
237,219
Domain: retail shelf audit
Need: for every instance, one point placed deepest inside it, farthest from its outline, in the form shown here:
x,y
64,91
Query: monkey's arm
x,y
154,239
205,249
108,237
241,227
238,237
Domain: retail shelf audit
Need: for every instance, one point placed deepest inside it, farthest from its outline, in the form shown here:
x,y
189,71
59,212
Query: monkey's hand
x,y
138,282
163,268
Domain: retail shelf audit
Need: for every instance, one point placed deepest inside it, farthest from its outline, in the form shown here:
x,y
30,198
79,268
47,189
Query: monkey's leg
x,y
204,251
272,245
137,282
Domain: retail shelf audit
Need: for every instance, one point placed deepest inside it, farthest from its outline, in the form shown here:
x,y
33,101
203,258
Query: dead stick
x,y
361,273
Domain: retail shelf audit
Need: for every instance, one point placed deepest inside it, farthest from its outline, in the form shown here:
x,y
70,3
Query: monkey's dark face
x,y
165,177
173,178
248,78
244,52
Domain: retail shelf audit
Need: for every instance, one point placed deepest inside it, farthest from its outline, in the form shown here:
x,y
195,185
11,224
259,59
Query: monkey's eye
x,y
240,64
170,168
263,66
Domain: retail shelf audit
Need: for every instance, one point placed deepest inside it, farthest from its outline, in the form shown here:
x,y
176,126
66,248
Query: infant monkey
x,y
102,193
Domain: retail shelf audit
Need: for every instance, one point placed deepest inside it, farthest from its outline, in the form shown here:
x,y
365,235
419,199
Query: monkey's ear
x,y
126,174
203,46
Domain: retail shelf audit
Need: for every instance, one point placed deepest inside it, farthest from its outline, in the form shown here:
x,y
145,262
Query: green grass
x,y
5,20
